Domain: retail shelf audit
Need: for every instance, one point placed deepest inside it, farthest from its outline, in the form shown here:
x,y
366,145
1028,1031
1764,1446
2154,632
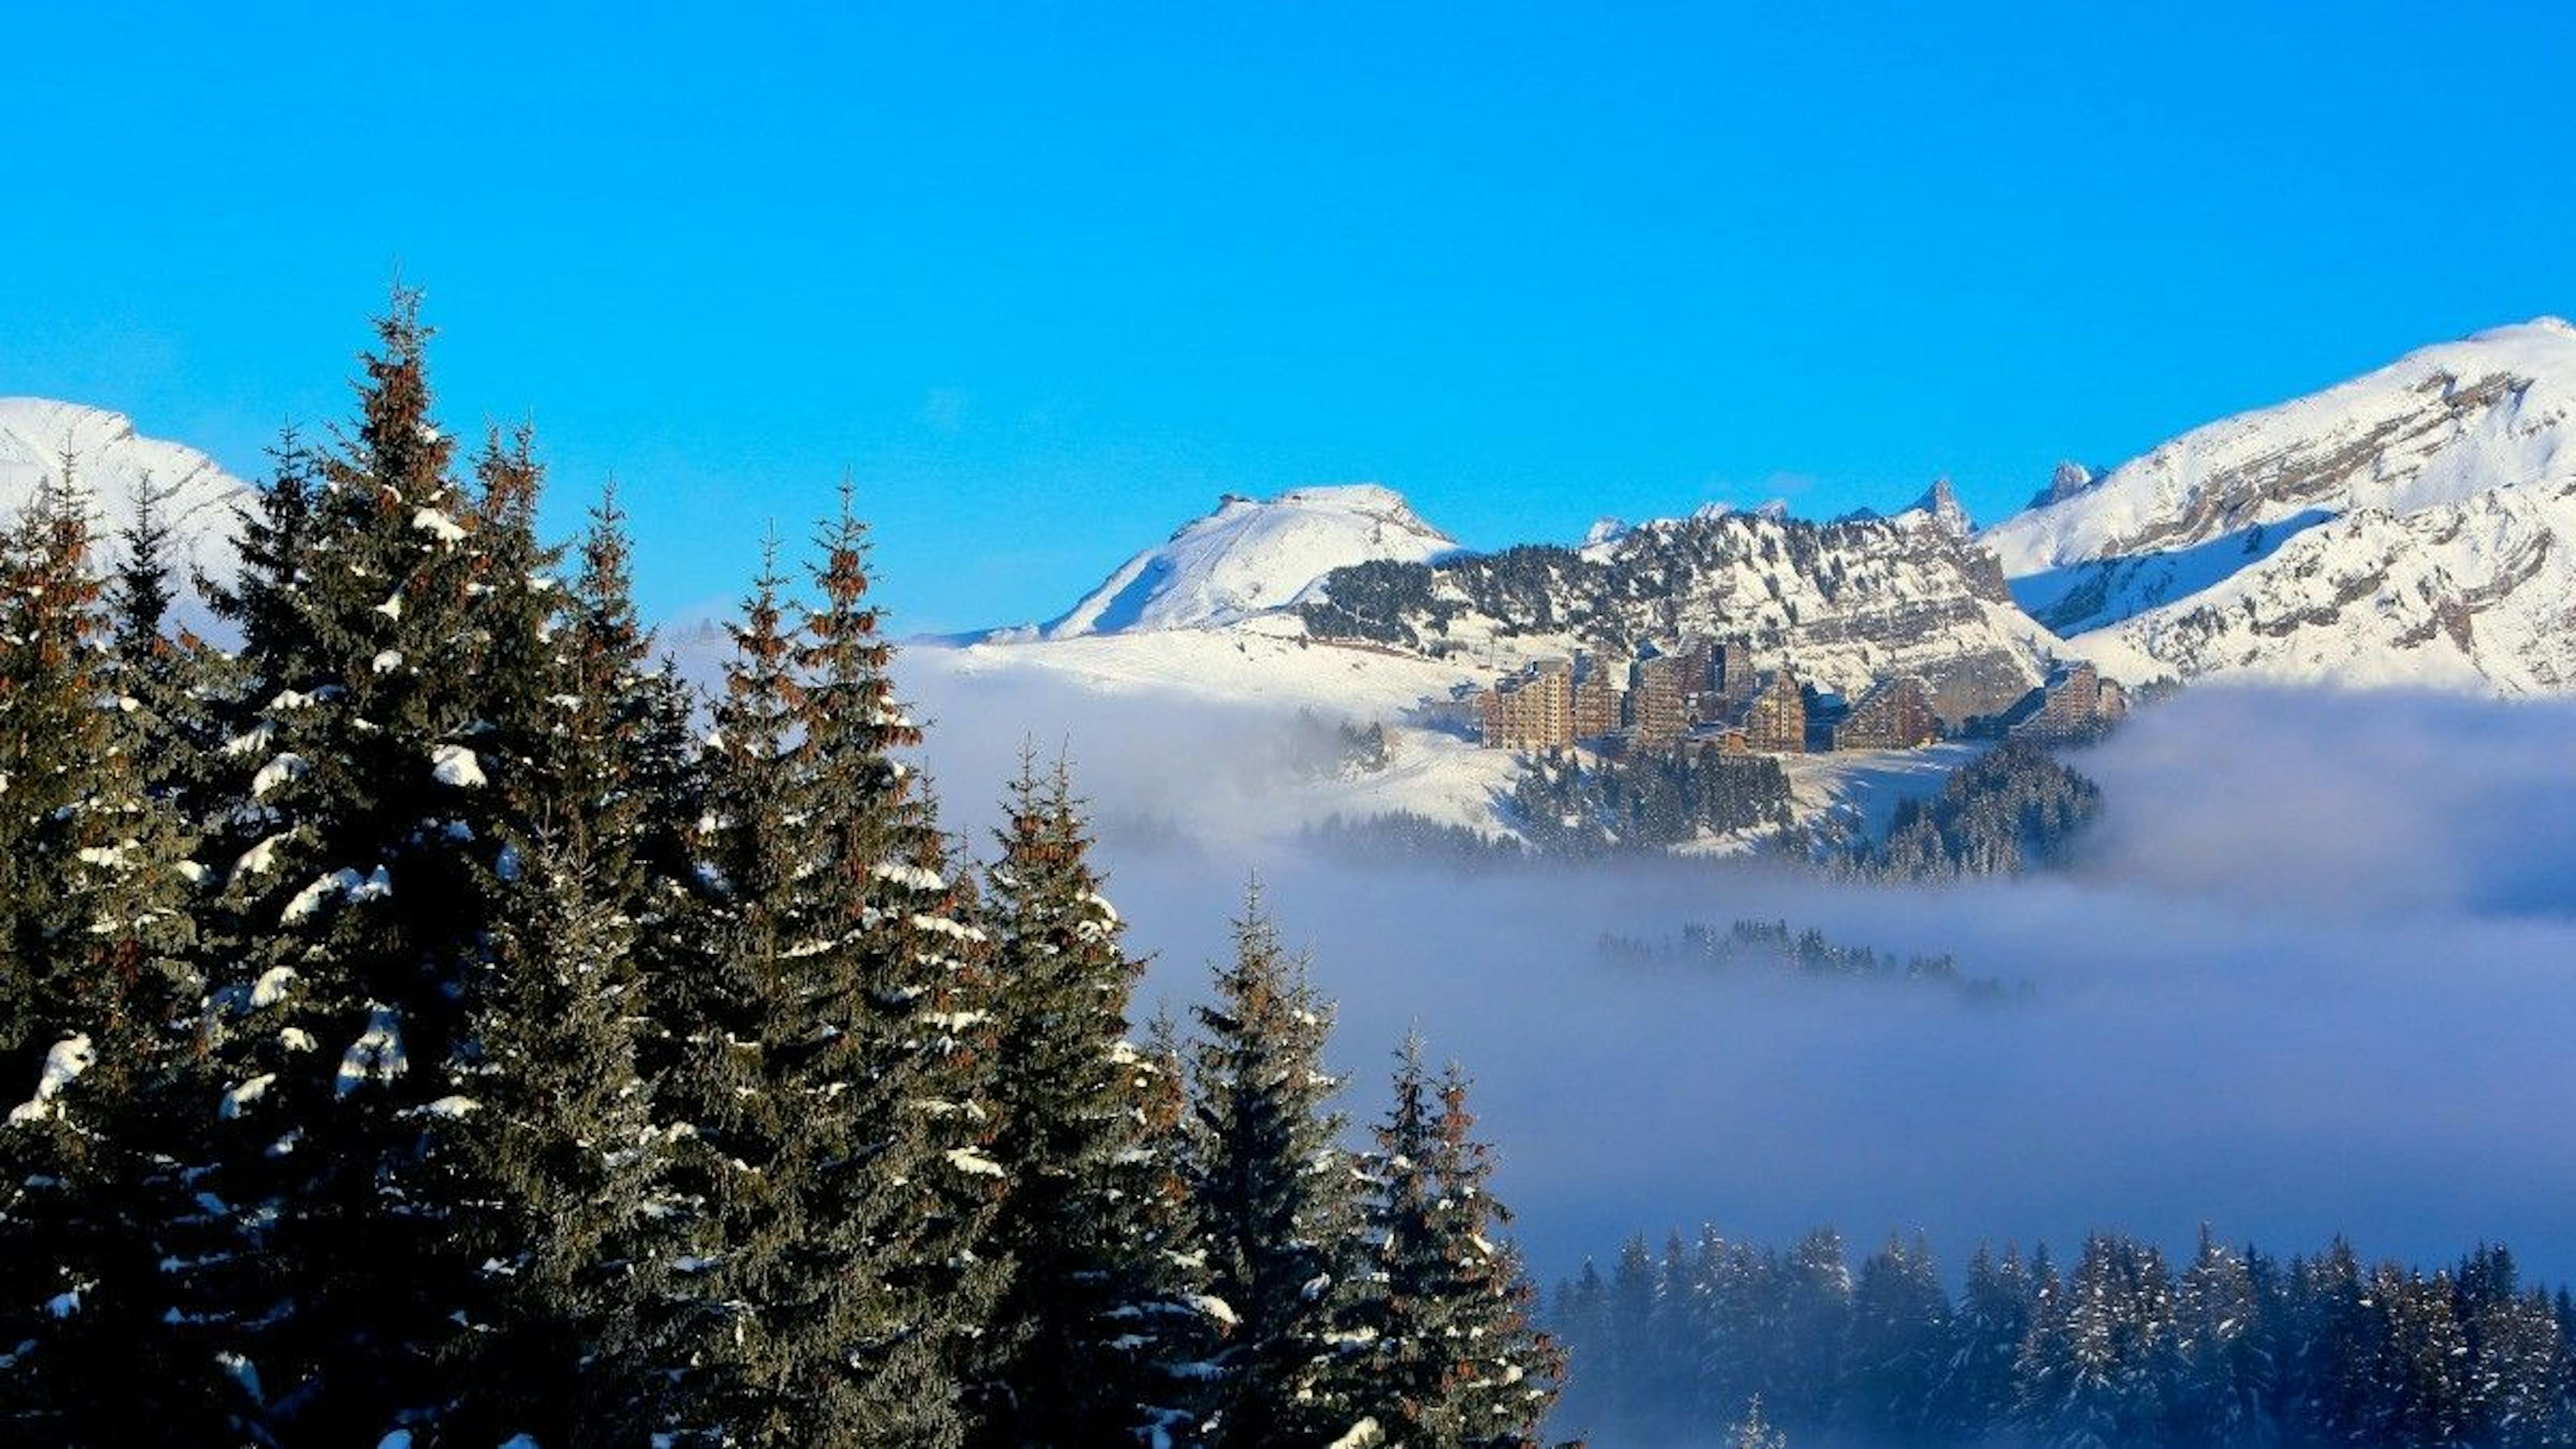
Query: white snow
x,y
271,987
243,1094
456,766
973,1163
1248,557
438,526
288,766
65,1060
260,859
377,1054
386,662
2383,530
905,874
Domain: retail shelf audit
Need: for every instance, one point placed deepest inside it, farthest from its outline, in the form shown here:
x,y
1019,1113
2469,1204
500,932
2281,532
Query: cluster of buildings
x,y
1711,693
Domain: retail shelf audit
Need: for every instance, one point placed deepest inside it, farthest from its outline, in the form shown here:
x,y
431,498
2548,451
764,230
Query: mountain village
x,y
1703,694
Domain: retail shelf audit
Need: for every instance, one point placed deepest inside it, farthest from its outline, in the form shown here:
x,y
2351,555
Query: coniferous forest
x,y
1715,1341
430,1022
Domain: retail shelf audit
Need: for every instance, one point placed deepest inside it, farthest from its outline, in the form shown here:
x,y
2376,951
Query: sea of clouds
x,y
2314,972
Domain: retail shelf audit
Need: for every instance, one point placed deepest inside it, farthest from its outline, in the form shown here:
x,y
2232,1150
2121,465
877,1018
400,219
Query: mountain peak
x,y
1251,556
1940,503
112,463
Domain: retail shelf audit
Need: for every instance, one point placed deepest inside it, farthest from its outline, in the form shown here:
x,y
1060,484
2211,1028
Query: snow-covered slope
x,y
110,465
1250,556
2436,428
2477,595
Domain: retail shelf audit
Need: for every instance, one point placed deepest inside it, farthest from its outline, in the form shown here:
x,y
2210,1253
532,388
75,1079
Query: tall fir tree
x,y
1454,1361
98,1221
1274,1193
360,905
2224,1386
1081,1340
1892,1353
832,1041
2094,1368
919,1035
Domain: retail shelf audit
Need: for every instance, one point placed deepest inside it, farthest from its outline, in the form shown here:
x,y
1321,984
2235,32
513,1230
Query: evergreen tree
x,y
1753,1431
1274,1196
1974,1390
359,906
1815,1313
1454,1360
832,1037
1892,1353
2224,1384
165,683
98,971
555,1163
2094,1368
1078,1338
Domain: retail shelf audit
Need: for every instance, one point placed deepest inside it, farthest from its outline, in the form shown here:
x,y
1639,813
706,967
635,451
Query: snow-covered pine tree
x,y
1973,1392
1892,1352
750,1321
548,1149
554,1160
1273,1191
97,1218
2223,1383
1625,1378
830,1042
1453,1360
1078,1341
1179,1333
1815,1313
162,680
1753,1431
357,904
2421,1386
2339,1332
2097,1359
918,1026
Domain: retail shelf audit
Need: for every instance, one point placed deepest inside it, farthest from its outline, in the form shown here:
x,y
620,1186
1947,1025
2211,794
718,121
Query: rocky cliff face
x,y
2411,526
1844,603
2434,429
2478,596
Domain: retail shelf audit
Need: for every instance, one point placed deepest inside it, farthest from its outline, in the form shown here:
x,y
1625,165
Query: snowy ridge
x,y
2477,595
1250,557
110,464
2435,428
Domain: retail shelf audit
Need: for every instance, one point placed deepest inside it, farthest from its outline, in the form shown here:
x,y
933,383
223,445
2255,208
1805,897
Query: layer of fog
x,y
2313,973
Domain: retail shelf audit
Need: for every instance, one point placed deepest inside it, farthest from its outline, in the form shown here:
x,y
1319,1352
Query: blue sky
x,y
1047,279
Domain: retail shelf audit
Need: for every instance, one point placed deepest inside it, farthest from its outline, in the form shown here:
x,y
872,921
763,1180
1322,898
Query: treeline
x,y
2012,809
1774,947
1650,800
430,1023
2118,1348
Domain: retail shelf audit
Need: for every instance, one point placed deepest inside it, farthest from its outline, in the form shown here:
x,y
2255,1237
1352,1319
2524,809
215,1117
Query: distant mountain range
x,y
2413,526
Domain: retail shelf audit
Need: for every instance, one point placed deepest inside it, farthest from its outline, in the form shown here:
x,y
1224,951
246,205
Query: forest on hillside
x,y
430,1022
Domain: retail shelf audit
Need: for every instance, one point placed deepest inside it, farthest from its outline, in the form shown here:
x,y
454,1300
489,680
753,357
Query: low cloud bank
x,y
2315,972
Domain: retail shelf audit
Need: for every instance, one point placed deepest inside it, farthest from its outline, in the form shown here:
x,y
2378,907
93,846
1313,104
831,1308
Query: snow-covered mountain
x,y
111,465
1251,556
1846,603
2408,526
